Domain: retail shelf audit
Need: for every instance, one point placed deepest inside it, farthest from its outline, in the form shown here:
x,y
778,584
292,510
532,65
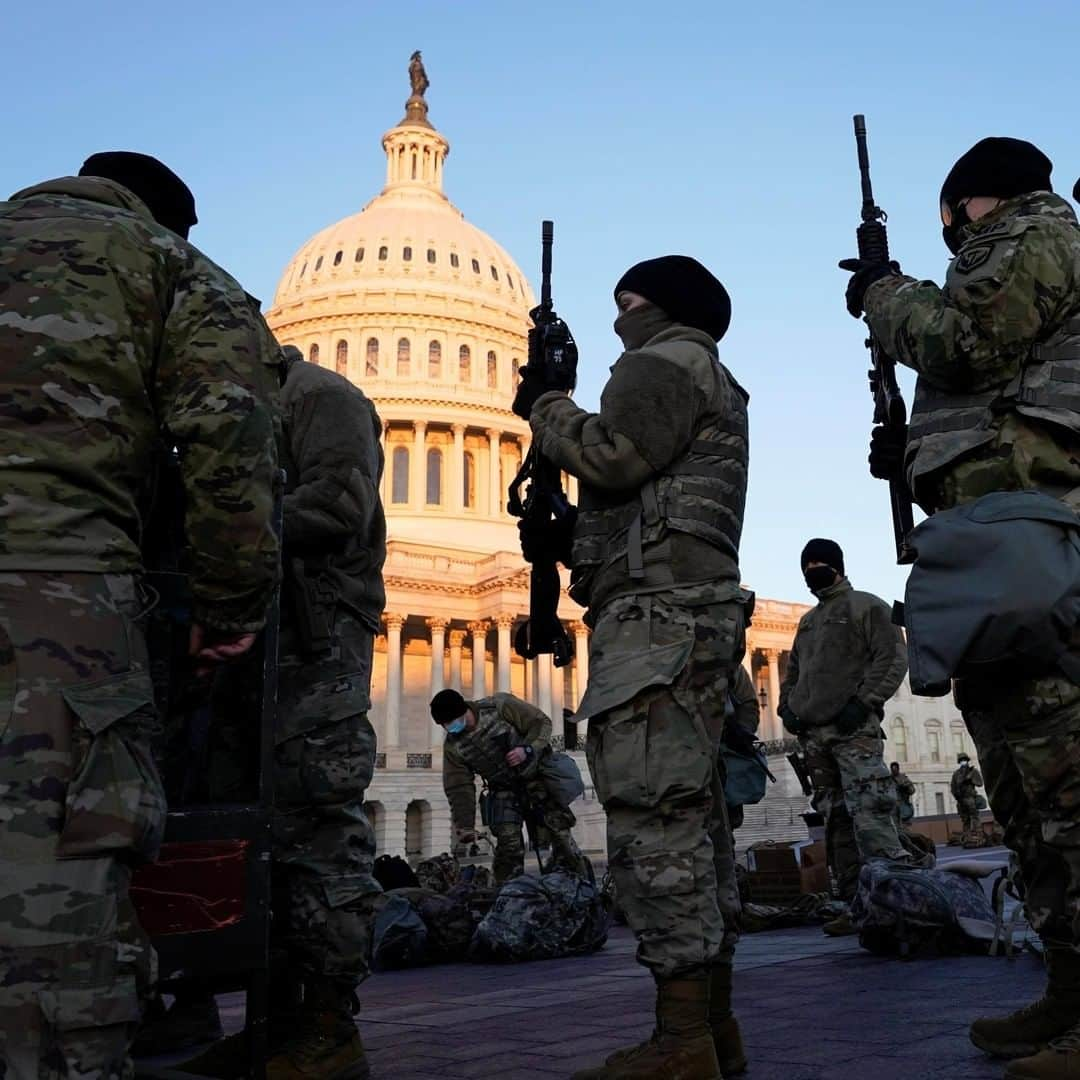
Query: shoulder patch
x,y
973,257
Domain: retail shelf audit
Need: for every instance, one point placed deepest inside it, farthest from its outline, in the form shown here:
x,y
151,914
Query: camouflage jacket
x,y
334,521
113,331
846,647
746,709
964,782
904,787
662,470
997,351
502,722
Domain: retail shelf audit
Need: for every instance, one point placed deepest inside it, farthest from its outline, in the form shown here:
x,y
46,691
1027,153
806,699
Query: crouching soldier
x,y
507,743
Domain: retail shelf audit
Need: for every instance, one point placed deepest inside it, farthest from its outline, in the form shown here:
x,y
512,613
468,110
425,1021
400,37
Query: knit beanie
x,y
823,551
167,197
998,166
447,705
683,289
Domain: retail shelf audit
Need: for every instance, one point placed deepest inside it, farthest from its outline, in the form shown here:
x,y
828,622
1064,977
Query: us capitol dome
x,y
429,316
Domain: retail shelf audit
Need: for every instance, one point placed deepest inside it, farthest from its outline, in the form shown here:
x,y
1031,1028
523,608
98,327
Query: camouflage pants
x,y
854,791
1028,738
654,763
324,846
80,800
969,816
554,830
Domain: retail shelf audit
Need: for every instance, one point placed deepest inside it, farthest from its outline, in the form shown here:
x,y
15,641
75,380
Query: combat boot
x,y
1030,1029
599,1072
191,1020
727,1038
682,1048
1059,1061
841,926
326,1043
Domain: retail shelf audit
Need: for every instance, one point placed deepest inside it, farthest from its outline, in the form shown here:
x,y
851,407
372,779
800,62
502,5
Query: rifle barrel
x,y
547,238
864,167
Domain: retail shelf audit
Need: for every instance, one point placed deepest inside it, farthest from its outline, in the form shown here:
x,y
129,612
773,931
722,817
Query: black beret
x,y
998,166
447,705
683,289
823,551
167,197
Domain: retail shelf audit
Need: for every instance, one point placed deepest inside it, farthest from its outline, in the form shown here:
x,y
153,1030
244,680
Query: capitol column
x,y
479,657
438,656
418,493
543,690
504,623
457,471
493,472
457,639
392,734
773,657
581,658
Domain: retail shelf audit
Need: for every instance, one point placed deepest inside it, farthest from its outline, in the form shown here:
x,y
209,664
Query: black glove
x,y
552,538
529,389
863,275
851,717
791,722
887,451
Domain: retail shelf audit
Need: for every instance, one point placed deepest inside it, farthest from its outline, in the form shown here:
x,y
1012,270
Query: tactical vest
x,y
945,426
702,493
483,748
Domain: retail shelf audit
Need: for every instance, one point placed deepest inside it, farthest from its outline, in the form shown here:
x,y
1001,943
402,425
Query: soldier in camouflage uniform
x,y
746,712
503,740
662,469
847,660
963,784
324,846
996,351
905,789
113,330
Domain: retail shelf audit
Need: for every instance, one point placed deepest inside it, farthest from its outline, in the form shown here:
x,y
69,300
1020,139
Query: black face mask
x,y
951,233
819,577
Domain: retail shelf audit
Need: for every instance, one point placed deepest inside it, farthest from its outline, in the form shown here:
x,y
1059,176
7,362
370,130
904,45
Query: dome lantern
x,y
415,151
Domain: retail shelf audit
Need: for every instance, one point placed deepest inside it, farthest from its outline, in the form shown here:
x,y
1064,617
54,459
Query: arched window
x,y
494,273
372,367
515,367
899,739
318,264
399,484
406,254
337,258
431,255
933,740
434,477
303,270
465,364
434,360
455,262
476,266
957,730
492,370
313,354
939,801
341,358
403,357
417,829
359,257
468,495
509,281
384,252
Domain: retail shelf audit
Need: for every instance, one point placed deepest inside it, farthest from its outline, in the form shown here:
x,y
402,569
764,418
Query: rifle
x,y
798,765
552,355
889,407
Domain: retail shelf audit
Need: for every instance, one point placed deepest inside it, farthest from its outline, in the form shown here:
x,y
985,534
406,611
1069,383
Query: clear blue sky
x,y
718,130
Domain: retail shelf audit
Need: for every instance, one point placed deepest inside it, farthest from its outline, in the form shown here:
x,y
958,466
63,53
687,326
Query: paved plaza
x,y
811,1007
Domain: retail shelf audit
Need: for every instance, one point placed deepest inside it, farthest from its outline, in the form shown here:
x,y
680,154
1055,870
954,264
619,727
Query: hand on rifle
x,y
210,647
553,538
886,456
529,389
863,274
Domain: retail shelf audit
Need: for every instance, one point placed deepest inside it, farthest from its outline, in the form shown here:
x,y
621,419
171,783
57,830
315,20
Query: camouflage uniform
x,y
746,712
502,723
905,789
963,784
990,414
111,328
655,560
335,546
846,648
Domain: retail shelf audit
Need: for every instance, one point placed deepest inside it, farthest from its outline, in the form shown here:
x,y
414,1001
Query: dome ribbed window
x,y
465,364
